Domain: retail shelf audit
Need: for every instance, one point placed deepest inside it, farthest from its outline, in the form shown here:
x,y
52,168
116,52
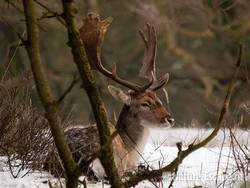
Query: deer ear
x,y
120,95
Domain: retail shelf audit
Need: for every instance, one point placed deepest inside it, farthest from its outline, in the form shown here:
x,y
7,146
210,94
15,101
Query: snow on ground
x,y
198,169
33,180
169,137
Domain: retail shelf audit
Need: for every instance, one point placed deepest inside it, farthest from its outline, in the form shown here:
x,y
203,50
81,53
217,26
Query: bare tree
x,y
50,104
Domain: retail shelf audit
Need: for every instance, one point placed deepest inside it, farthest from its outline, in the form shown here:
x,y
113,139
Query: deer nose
x,y
171,120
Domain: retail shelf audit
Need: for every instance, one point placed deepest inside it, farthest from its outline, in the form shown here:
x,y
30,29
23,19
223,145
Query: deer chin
x,y
167,124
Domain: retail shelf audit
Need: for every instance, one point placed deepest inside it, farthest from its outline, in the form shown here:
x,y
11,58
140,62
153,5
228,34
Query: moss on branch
x,y
88,83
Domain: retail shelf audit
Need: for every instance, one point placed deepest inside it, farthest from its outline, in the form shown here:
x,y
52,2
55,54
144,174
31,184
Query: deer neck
x,y
133,133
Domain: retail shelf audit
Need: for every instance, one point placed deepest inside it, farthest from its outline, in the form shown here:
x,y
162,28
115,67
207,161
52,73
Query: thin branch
x,y
10,56
52,13
20,11
238,144
219,160
135,179
179,146
22,41
75,80
10,2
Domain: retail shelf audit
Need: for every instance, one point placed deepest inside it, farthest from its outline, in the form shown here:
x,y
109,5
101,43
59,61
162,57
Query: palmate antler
x,y
148,63
92,34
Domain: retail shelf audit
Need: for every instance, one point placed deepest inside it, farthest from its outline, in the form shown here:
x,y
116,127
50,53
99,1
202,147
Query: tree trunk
x,y
49,103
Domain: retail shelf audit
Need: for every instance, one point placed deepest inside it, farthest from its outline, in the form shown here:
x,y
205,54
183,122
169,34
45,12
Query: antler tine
x,y
142,34
160,82
113,75
92,34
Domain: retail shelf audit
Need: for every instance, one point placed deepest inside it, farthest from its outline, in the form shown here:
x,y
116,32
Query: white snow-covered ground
x,y
198,169
169,137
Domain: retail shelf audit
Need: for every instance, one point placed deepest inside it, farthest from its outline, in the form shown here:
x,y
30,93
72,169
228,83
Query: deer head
x,y
141,100
146,106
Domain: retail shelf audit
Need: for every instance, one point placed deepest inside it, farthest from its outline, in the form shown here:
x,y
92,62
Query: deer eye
x,y
145,104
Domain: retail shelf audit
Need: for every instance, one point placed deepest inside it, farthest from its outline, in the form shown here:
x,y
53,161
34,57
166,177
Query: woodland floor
x,y
199,169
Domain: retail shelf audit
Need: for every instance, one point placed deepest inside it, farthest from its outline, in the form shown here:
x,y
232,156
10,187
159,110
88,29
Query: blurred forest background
x,y
197,44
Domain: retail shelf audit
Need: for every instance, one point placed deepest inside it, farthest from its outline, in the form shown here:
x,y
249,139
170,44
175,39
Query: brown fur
x,y
132,137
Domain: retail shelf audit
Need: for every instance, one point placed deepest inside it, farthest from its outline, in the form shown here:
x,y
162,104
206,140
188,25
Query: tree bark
x,y
49,103
88,83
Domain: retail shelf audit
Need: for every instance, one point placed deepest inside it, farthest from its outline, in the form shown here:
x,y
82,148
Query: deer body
x,y
140,113
142,108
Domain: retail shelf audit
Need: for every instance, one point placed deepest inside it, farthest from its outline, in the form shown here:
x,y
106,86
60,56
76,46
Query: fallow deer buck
x,y
142,108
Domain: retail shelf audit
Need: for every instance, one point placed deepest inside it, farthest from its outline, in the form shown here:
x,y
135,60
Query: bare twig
x,y
20,43
218,164
75,80
11,3
52,14
179,146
